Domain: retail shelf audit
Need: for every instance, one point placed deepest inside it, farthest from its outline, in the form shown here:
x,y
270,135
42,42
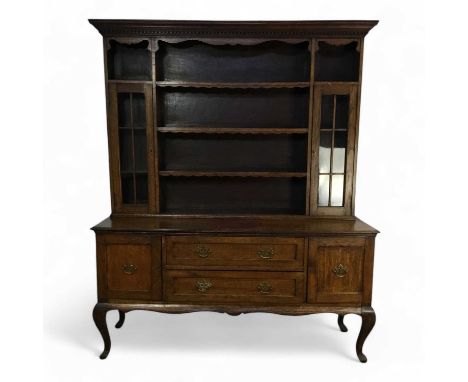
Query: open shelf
x,y
258,153
129,61
142,82
232,195
337,62
234,124
196,61
228,130
233,85
241,174
256,108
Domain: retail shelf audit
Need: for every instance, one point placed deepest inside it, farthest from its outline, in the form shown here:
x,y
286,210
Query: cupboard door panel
x,y
336,270
339,272
129,267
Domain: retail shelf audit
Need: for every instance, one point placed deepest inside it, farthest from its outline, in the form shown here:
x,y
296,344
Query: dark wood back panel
x,y
242,108
196,61
232,195
233,152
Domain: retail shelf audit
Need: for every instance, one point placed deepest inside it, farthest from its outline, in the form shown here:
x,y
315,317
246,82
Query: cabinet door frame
x,y
364,296
330,88
154,242
114,88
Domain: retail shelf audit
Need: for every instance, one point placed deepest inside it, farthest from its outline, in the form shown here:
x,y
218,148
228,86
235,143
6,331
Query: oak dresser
x,y
232,153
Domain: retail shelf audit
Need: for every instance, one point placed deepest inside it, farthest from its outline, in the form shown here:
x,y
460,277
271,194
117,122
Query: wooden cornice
x,y
233,29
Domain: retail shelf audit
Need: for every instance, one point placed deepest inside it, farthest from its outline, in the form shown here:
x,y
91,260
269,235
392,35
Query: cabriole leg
x,y
99,317
121,319
341,324
368,322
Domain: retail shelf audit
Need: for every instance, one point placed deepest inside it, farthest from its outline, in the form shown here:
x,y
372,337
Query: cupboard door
x,y
336,269
129,267
132,147
334,132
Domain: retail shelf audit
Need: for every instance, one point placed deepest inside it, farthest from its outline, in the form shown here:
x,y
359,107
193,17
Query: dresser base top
x,y
237,225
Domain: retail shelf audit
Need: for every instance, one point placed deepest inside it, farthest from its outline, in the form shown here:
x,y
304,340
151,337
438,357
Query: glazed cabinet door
x,y
340,270
334,132
129,266
131,147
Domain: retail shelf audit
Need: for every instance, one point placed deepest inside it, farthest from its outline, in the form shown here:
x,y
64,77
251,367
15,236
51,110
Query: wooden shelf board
x,y
130,82
229,130
234,85
138,172
336,83
257,174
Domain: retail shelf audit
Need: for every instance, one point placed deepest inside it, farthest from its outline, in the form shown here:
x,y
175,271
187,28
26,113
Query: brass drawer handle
x,y
264,287
202,251
266,253
129,269
340,270
203,285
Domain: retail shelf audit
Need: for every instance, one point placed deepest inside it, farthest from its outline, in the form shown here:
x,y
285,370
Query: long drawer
x,y
259,253
240,287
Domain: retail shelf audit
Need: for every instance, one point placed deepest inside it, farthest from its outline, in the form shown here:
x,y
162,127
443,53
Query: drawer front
x,y
261,253
129,267
336,269
241,287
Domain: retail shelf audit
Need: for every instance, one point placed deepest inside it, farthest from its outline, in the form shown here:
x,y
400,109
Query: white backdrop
x,y
411,185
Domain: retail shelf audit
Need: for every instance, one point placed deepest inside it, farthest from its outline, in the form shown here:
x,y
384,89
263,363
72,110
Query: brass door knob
x,y
340,270
129,269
